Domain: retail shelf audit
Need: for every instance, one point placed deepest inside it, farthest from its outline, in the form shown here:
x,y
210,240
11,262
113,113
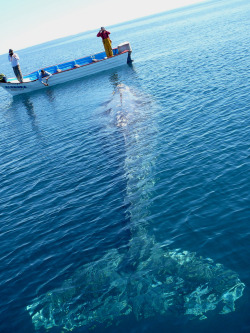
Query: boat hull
x,y
68,75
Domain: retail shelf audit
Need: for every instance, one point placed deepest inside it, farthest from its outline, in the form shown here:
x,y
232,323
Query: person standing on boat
x,y
13,58
106,41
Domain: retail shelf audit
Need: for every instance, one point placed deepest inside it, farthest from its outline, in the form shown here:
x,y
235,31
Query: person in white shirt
x,y
13,58
44,75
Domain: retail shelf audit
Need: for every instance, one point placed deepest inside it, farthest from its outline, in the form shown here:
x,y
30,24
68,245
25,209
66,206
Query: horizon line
x,y
120,23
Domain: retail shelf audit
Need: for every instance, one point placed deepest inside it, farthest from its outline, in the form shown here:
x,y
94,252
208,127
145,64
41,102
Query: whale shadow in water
x,y
147,279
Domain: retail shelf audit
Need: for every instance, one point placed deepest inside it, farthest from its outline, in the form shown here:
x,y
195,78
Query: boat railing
x,y
69,65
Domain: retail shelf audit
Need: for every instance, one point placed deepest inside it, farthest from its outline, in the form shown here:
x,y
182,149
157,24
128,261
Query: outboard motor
x,y
125,47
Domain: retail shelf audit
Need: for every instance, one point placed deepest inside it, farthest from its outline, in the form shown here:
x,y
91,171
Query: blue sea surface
x,y
149,157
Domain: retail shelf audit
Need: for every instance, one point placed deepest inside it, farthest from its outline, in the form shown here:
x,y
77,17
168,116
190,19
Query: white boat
x,y
70,70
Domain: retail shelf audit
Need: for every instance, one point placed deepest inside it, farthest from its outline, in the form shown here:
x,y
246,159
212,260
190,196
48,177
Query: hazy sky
x,y
28,22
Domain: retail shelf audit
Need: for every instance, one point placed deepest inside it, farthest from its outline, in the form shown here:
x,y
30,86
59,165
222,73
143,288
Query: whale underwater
x,y
146,279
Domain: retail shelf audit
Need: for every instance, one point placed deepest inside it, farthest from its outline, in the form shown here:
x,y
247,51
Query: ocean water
x,y
124,198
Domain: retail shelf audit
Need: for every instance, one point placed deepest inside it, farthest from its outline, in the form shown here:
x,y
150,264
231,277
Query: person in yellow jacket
x,y
106,41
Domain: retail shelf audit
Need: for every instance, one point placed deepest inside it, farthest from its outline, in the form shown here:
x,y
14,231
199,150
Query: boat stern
x,y
125,47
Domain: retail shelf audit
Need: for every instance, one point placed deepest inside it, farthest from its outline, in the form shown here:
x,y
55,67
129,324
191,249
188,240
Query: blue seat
x,y
52,69
32,76
81,62
100,56
67,65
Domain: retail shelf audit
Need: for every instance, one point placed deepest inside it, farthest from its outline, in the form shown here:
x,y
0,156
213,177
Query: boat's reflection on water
x,y
114,79
29,106
30,103
50,94
26,100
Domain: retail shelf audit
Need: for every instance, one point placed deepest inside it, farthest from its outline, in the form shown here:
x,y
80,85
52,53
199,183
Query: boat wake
x,y
147,279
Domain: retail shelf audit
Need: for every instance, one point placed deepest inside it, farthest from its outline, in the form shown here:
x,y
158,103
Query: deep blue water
x,y
85,165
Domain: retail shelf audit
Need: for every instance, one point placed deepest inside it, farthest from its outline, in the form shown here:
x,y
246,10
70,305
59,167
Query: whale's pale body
x,y
147,279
